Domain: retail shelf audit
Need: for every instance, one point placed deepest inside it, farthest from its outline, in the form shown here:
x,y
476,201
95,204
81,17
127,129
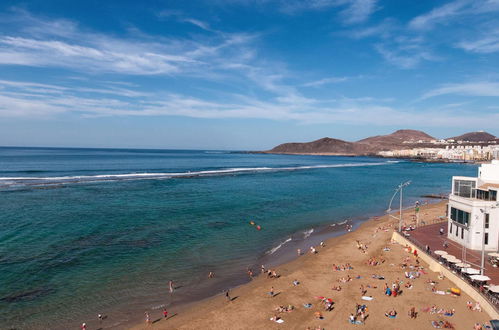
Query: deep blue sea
x,y
88,231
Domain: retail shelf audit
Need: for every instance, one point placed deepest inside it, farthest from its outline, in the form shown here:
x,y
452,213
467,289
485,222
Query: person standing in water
x,y
170,285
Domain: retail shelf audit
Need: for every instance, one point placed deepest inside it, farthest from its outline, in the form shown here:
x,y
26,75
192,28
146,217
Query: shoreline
x,y
411,159
288,266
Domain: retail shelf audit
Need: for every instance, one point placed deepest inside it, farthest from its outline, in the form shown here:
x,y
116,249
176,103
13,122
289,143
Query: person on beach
x,y
322,244
100,317
170,285
250,273
148,319
412,313
83,326
227,295
298,251
263,269
211,275
271,292
313,250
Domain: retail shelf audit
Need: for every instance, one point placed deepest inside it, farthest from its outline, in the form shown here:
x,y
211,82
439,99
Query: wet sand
x,y
252,306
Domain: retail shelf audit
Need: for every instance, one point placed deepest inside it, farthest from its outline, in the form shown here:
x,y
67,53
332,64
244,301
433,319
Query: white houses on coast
x,y
473,215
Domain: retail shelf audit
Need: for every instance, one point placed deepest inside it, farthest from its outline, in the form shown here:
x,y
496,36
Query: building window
x,y
450,230
464,188
460,216
462,233
486,238
487,218
457,230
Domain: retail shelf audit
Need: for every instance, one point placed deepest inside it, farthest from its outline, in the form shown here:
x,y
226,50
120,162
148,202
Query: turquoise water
x,y
87,231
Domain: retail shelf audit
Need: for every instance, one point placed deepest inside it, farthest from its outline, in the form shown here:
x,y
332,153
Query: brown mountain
x,y
475,137
396,139
366,146
324,145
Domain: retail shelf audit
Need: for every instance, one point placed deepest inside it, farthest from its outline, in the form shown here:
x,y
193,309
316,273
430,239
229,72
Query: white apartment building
x,y
473,214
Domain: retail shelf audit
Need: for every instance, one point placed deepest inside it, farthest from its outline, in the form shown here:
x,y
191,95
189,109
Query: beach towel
x,y
367,298
280,321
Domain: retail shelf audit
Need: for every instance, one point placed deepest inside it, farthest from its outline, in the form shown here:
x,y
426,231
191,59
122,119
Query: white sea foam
x,y
307,233
274,249
34,180
343,222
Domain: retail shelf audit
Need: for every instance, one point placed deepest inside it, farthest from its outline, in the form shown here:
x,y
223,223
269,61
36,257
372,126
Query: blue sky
x,y
243,74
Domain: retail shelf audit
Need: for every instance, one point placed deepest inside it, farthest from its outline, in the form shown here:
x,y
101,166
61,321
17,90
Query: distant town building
x,y
473,214
449,152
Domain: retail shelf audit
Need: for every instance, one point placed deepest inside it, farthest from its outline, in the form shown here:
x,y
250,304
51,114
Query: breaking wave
x,y
54,180
274,249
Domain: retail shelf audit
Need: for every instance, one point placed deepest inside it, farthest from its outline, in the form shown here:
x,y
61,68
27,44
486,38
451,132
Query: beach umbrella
x,y
480,278
448,256
440,252
462,265
494,254
471,271
454,261
494,288
330,300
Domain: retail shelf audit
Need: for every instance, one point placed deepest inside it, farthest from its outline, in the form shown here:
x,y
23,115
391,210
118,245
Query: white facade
x,y
473,214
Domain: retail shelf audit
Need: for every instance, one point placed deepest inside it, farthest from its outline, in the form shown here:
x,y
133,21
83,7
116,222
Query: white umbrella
x,y
480,278
462,265
494,288
440,252
454,261
448,256
470,271
494,254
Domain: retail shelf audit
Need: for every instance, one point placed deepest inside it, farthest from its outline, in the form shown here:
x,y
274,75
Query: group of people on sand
x,y
344,267
360,315
362,247
394,290
373,261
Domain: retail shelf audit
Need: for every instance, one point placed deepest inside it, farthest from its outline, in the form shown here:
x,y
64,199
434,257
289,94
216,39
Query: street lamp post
x,y
399,190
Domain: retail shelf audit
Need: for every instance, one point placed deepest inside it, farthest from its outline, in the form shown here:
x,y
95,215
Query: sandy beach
x,y
252,307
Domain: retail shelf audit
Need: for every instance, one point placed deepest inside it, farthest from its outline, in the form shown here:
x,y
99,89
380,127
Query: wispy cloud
x,y
453,10
406,52
466,89
359,11
350,11
484,45
41,44
325,81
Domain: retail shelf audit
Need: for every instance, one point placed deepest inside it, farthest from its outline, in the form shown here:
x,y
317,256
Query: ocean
x,y
89,231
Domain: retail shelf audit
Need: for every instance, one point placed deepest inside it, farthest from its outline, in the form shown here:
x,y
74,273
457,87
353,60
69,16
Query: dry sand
x,y
253,307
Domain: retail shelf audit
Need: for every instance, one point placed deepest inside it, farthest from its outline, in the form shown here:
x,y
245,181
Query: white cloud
x,y
453,10
359,11
325,81
439,14
484,45
466,89
405,52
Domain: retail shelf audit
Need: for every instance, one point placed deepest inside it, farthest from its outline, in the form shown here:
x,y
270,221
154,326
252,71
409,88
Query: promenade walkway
x,y
430,235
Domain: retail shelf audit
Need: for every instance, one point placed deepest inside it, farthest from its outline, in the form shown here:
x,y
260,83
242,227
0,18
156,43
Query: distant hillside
x,y
396,139
372,145
363,147
475,137
324,145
